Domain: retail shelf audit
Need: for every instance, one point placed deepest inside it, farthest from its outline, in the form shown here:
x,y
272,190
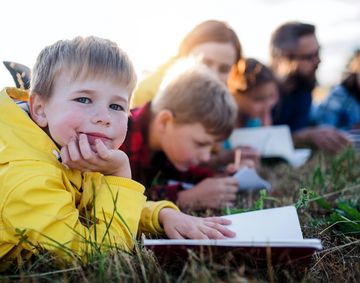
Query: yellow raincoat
x,y
42,202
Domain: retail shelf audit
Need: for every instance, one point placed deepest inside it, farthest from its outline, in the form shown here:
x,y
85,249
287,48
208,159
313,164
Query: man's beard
x,y
299,81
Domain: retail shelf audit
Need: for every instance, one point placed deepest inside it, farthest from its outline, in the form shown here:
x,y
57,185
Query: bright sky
x,y
150,31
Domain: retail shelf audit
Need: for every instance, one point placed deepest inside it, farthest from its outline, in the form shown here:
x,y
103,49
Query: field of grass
x,y
327,193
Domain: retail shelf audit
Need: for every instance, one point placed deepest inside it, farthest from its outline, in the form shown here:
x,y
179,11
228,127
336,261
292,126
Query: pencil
x,y
237,157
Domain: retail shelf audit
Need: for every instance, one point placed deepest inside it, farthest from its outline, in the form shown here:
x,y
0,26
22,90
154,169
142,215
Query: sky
x,y
150,31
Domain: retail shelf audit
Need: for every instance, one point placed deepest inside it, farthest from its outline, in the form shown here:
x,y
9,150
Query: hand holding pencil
x,y
239,162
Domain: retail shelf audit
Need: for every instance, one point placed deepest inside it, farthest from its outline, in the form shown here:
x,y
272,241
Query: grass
x,y
327,194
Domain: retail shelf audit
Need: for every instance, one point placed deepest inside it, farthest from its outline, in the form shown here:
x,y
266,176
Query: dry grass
x,y
331,178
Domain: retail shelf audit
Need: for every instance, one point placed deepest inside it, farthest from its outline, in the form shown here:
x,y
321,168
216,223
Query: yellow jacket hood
x,y
19,131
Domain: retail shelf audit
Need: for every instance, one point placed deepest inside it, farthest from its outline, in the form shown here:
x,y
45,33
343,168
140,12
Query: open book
x,y
256,231
271,141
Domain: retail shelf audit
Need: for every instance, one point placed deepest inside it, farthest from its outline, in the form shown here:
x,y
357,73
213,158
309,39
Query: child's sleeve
x,y
44,207
149,222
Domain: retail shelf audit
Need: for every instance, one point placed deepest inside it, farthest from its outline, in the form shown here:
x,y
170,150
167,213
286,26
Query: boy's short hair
x,y
196,95
82,57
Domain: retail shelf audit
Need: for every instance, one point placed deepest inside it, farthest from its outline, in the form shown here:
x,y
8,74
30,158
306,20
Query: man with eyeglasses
x,y
294,52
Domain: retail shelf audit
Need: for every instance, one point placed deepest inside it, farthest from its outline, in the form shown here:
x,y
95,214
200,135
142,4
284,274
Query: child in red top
x,y
169,137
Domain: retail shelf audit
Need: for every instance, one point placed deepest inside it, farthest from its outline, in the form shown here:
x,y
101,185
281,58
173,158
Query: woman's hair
x,y
81,57
248,74
350,75
194,94
210,31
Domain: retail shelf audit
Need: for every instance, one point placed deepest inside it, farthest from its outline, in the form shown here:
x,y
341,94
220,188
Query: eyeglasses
x,y
306,57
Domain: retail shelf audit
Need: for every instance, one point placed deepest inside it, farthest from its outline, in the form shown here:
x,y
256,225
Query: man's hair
x,y
284,39
210,31
196,95
248,74
81,57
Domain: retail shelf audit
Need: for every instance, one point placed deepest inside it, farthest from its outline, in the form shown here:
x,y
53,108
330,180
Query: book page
x,y
275,227
299,157
248,179
270,141
275,224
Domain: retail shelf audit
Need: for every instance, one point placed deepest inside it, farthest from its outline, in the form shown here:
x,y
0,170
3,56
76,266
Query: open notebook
x,y
271,141
277,228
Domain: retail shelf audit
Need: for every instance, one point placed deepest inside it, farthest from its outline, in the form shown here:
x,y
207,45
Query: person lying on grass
x,y
170,139
64,183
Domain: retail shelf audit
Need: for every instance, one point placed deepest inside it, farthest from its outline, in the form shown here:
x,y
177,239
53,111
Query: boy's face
x,y
95,107
186,145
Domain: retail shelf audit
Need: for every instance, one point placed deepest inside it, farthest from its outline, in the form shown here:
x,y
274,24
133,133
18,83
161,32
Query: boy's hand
x,y
210,193
178,225
77,154
232,168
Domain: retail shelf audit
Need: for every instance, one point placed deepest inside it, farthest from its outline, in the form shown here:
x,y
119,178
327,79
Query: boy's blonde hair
x,y
81,57
196,95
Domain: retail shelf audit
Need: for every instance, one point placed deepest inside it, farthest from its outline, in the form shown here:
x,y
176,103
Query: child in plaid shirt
x,y
169,137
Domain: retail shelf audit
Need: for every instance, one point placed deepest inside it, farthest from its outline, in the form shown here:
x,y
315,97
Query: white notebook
x,y
271,141
275,227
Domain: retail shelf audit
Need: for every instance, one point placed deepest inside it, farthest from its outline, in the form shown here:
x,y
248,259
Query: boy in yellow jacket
x,y
78,111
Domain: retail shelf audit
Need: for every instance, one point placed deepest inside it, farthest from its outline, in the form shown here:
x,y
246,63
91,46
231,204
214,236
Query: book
x,y
271,142
248,180
257,232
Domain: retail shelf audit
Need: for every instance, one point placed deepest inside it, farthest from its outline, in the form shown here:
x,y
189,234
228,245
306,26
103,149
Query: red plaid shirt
x,y
152,168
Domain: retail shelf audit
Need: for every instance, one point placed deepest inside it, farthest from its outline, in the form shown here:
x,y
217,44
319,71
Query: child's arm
x,y
250,157
178,225
79,155
44,206
215,193
209,193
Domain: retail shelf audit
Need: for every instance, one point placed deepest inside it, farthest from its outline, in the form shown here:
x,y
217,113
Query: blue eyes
x,y
116,107
85,100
